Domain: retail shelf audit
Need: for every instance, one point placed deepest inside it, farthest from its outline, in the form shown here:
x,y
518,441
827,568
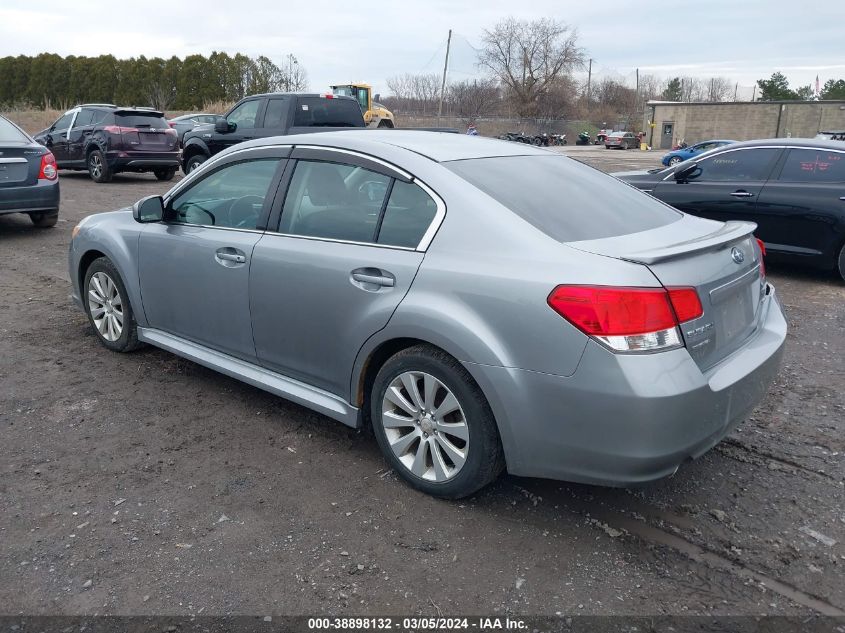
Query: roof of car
x,y
791,142
438,146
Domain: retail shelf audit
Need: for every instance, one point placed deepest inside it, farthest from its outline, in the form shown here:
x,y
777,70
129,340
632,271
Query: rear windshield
x,y
322,112
9,133
136,119
565,199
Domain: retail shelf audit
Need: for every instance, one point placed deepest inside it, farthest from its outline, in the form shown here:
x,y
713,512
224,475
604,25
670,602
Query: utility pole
x,y
637,91
443,83
589,79
736,88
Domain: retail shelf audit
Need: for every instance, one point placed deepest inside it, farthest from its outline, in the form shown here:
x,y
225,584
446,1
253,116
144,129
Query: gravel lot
x,y
146,484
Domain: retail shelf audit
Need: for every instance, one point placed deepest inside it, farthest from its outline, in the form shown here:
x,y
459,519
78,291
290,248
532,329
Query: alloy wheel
x,y
425,426
106,306
96,165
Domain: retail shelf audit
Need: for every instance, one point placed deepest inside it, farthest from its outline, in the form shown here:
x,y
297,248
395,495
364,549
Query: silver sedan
x,y
471,300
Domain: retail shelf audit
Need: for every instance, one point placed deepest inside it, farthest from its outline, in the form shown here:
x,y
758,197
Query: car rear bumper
x,y
40,197
627,419
142,160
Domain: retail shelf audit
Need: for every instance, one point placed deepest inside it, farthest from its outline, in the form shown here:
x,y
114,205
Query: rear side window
x,y
322,112
565,199
813,165
407,217
740,165
10,133
277,113
84,118
137,119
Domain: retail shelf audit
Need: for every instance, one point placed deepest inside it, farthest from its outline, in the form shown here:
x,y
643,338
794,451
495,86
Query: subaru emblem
x,y
737,255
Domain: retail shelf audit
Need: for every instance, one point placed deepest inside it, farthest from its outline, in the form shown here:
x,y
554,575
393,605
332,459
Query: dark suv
x,y
274,114
106,139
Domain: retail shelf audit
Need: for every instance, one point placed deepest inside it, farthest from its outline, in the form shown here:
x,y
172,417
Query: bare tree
x,y
473,99
413,92
526,56
718,89
693,89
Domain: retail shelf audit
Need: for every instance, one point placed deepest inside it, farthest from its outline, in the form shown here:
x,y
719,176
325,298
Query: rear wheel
x,y
44,220
98,168
165,174
434,425
108,308
675,160
193,162
385,123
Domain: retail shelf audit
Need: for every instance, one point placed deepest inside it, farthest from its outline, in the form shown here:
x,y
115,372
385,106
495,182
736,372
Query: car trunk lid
x,y
19,164
145,131
721,261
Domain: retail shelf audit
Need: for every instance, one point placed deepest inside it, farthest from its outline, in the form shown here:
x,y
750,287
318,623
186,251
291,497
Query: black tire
x,y
128,339
841,262
165,174
44,220
193,162
484,457
98,168
385,123
675,160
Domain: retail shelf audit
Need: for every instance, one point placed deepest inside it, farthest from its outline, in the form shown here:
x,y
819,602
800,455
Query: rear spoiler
x,y
728,232
142,111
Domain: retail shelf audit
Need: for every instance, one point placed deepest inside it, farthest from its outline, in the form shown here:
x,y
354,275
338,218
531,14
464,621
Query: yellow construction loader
x,y
375,114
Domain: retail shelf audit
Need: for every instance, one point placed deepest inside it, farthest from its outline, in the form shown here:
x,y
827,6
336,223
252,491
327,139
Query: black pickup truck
x,y
274,114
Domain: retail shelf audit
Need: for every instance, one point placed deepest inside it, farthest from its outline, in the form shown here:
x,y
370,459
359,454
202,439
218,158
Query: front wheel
x,y
44,220
434,425
108,308
165,174
98,168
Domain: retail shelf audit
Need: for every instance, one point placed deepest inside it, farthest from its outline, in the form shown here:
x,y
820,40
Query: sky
x,y
340,41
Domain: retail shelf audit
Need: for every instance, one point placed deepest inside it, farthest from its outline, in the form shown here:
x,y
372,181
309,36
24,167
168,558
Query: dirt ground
x,y
146,484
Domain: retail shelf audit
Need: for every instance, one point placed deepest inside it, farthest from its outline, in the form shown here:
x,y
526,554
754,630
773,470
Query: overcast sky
x,y
342,40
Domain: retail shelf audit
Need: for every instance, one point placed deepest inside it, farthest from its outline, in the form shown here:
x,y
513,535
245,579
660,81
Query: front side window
x,y
231,197
742,165
334,201
813,165
63,123
244,115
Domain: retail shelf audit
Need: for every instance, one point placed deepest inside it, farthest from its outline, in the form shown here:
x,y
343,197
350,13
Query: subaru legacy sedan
x,y
471,300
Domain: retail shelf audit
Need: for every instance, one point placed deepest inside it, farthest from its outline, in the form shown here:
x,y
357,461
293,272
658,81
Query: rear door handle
x,y
229,257
232,257
742,194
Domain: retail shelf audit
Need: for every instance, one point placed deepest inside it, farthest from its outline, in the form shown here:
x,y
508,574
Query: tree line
x,y
49,80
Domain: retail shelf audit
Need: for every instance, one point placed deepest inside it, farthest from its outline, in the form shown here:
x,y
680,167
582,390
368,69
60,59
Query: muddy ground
x,y
146,484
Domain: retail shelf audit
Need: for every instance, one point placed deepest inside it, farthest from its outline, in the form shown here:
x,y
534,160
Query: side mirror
x,y
149,209
222,126
683,172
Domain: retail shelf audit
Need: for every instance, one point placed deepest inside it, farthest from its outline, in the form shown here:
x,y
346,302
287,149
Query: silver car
x,y
471,300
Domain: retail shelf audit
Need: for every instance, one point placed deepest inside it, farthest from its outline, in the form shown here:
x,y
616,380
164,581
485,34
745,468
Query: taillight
x,y
762,246
117,129
171,124
628,319
171,132
48,170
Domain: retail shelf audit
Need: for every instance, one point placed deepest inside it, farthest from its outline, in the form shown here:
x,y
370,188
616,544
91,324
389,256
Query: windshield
x,y
140,119
567,200
9,133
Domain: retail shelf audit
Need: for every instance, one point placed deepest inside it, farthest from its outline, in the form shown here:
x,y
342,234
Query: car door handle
x,y
378,280
742,194
842,198
231,257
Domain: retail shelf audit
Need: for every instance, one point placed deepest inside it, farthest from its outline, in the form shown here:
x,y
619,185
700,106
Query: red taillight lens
x,y
762,246
628,319
117,129
48,170
612,311
686,304
171,124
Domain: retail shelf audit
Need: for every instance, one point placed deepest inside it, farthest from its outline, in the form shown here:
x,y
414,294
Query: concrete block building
x,y
738,120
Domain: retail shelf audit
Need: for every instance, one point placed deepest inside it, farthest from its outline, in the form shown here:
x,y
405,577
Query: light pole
x,y
292,61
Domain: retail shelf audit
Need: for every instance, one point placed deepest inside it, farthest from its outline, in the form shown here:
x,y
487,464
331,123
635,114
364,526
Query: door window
x,y
244,115
84,118
334,201
63,123
743,165
813,165
277,113
409,213
231,197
